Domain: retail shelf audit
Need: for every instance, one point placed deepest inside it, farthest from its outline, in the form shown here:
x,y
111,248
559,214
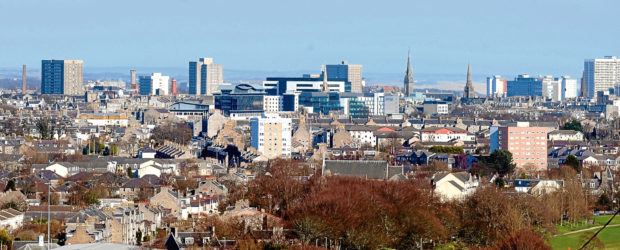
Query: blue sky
x,y
497,37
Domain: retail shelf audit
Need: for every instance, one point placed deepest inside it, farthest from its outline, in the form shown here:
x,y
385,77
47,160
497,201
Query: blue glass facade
x,y
192,78
203,78
524,85
52,77
242,98
145,85
358,109
321,102
288,102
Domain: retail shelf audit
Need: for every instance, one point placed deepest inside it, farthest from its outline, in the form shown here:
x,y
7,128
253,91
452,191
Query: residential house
x,y
454,186
11,219
565,135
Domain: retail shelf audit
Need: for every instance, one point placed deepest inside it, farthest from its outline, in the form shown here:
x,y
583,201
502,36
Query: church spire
x,y
468,92
468,74
408,82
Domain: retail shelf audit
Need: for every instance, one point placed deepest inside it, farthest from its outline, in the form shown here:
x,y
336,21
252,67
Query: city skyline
x,y
255,39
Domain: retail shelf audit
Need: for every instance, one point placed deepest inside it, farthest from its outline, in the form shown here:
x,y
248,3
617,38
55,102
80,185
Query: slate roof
x,y
366,169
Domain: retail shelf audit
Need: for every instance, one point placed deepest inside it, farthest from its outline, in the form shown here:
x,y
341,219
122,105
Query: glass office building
x,y
321,102
524,85
240,98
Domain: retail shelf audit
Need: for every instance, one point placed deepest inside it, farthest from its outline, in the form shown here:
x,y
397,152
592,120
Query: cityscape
x,y
465,151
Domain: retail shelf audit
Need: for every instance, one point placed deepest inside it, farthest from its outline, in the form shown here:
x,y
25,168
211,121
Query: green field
x,y
610,236
598,221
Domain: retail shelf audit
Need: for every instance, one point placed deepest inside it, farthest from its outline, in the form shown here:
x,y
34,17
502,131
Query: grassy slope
x,y
609,236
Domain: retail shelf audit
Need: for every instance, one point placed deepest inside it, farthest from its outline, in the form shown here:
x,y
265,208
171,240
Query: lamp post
x,y
49,183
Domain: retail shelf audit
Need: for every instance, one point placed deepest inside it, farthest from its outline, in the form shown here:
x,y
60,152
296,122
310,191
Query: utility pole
x,y
49,240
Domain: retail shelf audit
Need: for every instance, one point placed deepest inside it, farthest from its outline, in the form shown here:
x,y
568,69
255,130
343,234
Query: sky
x,y
497,37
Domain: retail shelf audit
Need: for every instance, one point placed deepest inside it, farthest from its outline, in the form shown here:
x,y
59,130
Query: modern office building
x,y
468,91
568,87
273,103
435,108
321,102
601,74
408,82
583,92
391,104
204,77
348,72
306,83
528,145
549,86
242,98
271,135
524,85
155,84
496,86
62,77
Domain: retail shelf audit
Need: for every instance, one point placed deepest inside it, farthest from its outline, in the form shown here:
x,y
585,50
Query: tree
x,y
573,125
500,161
278,190
523,239
44,129
604,203
10,185
369,214
573,162
175,132
5,238
499,182
139,237
489,216
129,172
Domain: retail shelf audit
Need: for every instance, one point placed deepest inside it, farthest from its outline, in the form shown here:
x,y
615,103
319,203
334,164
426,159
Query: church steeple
x,y
468,92
408,82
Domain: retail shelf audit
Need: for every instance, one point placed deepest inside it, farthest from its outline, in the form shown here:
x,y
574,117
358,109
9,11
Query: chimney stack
x,y
174,86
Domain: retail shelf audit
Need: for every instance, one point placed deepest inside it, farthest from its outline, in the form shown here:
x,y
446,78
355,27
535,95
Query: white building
x,y
104,119
11,219
363,135
439,134
568,87
315,84
271,135
377,104
273,103
155,84
496,86
565,135
601,74
548,87
559,88
159,84
454,186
